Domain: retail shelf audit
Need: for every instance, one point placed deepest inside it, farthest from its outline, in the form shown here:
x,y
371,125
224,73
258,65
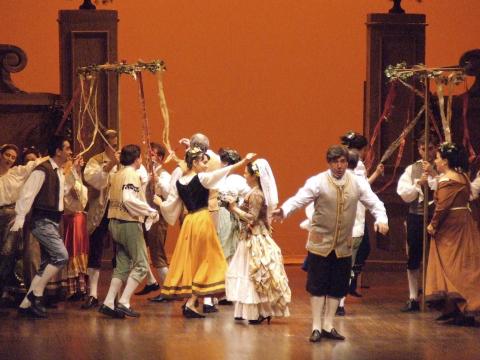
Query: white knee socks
x,y
113,290
26,303
413,283
330,309
162,274
93,276
317,304
128,291
49,272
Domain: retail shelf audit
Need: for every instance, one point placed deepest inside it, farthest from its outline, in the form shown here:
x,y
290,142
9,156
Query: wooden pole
x,y
425,191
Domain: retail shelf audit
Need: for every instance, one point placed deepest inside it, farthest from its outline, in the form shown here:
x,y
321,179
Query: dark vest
x,y
193,195
48,197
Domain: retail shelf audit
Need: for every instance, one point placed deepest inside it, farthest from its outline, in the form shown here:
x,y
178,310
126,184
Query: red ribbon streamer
x,y
68,109
387,108
401,147
466,133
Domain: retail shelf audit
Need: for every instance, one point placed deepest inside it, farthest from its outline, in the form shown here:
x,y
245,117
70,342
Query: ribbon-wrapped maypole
x,y
135,70
443,77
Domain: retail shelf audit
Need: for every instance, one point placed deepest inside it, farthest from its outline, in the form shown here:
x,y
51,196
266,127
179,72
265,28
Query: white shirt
x,y
317,184
30,190
475,187
94,172
12,181
410,191
162,187
359,225
77,202
144,176
234,185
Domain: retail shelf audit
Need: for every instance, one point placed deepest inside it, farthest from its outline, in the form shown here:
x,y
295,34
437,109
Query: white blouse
x,y
234,185
12,181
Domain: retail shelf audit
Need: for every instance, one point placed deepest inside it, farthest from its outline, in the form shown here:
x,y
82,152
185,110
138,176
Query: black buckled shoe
x,y
91,302
113,313
159,299
191,314
333,335
128,311
148,289
37,306
225,302
340,311
411,306
316,336
207,309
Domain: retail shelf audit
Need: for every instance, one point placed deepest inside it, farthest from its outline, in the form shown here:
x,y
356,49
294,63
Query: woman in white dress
x,y
256,279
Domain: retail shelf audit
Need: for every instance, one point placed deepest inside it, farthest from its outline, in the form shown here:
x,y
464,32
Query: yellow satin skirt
x,y
198,265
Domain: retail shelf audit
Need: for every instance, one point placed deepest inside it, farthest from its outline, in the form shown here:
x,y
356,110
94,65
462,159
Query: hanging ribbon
x,y
69,108
91,110
400,141
166,118
145,125
441,107
387,108
466,133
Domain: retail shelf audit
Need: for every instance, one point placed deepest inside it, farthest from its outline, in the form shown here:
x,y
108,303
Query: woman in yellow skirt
x,y
198,266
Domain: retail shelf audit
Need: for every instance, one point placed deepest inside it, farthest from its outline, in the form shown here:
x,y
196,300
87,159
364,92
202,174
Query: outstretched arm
x,y
210,179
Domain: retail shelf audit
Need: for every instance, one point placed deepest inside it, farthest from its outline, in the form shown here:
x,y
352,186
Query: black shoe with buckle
x,y
148,289
411,306
37,306
340,311
113,313
332,334
90,303
225,302
159,299
128,311
207,309
316,336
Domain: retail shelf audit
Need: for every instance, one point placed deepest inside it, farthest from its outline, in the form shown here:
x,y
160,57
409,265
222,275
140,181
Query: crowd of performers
x,y
57,214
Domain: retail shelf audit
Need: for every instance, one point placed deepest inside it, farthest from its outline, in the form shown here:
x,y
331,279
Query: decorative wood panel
x,y
391,39
89,37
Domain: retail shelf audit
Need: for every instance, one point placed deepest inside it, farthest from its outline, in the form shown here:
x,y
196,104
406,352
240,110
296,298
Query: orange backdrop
x,y
281,78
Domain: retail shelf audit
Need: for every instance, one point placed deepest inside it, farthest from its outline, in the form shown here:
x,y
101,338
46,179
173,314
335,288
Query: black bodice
x,y
193,195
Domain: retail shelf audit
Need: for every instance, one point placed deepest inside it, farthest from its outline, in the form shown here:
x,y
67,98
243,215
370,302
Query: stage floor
x,y
374,327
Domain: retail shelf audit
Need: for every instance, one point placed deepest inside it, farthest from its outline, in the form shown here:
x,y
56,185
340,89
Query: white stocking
x,y
93,276
150,277
128,291
26,303
413,283
49,272
317,304
162,274
330,309
113,290
208,301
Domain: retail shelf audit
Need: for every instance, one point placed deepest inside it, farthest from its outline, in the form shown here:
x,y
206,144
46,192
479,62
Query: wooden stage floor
x,y
374,327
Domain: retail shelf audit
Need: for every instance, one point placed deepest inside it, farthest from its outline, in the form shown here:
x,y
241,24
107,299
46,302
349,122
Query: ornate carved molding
x,y
12,60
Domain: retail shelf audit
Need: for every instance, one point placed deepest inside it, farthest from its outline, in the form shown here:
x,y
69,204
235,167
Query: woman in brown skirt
x,y
453,272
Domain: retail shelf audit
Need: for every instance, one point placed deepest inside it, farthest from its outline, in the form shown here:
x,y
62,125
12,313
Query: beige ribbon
x,y
166,118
